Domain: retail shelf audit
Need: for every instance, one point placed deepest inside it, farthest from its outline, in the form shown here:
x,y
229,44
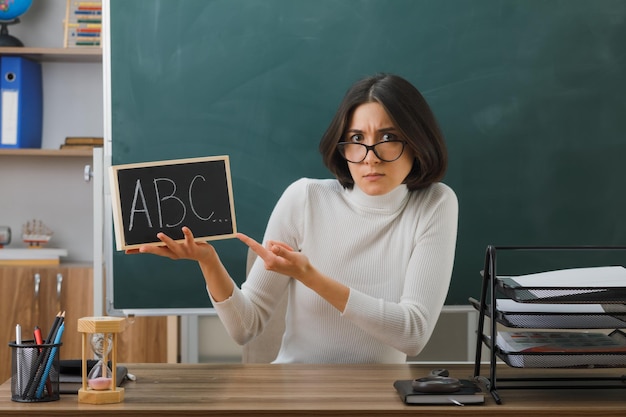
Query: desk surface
x,y
309,390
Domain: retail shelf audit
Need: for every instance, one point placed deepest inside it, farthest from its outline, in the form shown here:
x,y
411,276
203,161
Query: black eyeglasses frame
x,y
369,148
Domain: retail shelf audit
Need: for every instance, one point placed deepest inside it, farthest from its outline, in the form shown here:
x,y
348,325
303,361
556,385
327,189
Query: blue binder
x,y
21,106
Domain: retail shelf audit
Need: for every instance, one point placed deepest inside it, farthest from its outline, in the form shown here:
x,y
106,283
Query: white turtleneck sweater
x,y
395,252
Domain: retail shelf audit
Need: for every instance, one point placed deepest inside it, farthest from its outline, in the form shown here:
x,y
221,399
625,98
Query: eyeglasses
x,y
386,151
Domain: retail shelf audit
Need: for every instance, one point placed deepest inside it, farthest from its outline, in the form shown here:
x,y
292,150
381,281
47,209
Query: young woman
x,y
365,258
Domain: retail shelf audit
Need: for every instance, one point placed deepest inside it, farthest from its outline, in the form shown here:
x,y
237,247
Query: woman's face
x,y
370,124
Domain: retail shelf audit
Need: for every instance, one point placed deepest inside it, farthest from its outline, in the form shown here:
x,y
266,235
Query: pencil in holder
x,y
34,371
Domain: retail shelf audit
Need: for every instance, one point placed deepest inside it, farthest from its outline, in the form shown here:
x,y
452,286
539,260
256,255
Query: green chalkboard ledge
x,y
56,54
46,152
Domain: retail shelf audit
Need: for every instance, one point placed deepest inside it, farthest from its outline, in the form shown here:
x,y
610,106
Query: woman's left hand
x,y
279,257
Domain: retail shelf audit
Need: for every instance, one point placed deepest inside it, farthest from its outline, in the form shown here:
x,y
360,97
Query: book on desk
x,y
469,393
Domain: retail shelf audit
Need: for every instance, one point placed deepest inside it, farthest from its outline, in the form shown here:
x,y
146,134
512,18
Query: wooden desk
x,y
307,390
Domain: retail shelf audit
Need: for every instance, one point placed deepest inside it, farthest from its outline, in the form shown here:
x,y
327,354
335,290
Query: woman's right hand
x,y
186,249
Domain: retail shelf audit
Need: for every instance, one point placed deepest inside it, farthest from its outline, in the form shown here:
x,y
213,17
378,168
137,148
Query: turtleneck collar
x,y
388,203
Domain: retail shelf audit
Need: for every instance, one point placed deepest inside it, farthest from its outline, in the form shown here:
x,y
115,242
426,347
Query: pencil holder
x,y
34,371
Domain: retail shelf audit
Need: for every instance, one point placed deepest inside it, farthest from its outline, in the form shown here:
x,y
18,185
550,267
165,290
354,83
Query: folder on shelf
x,y
21,106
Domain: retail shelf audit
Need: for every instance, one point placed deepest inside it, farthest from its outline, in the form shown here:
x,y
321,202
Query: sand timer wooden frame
x,y
105,325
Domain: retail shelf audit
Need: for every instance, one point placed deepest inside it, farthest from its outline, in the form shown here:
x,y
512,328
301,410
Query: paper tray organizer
x,y
562,320
538,294
586,359
487,306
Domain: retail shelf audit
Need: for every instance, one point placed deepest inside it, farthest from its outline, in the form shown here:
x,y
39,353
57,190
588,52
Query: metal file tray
x,y
546,294
571,316
562,361
567,359
573,298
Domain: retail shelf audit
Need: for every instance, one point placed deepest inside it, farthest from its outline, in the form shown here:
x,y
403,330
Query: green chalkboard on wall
x,y
529,94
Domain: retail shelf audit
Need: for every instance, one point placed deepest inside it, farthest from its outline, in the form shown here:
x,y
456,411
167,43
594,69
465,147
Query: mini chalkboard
x,y
164,196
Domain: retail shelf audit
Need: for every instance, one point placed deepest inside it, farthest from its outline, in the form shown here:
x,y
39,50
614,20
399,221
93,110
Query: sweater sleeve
x,y
245,313
408,324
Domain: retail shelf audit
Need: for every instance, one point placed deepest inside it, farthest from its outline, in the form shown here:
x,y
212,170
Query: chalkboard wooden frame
x,y
212,172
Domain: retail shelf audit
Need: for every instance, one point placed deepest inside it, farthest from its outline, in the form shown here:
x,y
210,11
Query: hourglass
x,y
100,336
100,376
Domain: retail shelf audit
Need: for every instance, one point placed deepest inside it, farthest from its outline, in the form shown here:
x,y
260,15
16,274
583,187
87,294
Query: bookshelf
x,y
50,176
46,152
78,55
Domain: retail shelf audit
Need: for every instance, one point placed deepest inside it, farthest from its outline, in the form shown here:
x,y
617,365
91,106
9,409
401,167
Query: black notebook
x,y
469,393
70,377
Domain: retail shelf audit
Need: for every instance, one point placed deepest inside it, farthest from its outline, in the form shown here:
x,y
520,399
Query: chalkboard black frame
x,y
192,192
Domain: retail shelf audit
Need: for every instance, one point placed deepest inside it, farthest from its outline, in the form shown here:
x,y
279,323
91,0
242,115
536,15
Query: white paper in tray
x,y
594,277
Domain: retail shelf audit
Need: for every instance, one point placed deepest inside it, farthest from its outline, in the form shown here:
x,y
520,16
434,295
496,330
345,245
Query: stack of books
x,y
83,24
82,142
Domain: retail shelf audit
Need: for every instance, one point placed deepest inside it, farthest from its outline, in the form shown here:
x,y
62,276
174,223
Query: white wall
x,y
41,25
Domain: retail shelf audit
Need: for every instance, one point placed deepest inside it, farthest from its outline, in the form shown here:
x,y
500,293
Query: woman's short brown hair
x,y
410,114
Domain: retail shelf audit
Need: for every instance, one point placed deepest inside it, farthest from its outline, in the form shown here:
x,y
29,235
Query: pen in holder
x,y
34,371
